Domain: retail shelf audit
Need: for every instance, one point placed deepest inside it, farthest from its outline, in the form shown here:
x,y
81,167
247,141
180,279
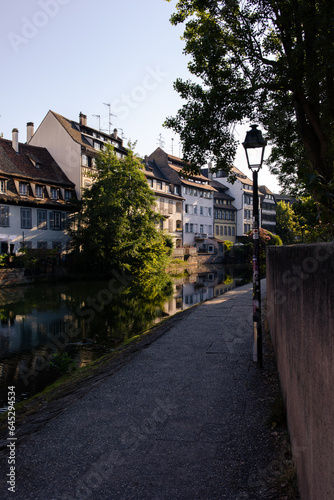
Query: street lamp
x,y
254,145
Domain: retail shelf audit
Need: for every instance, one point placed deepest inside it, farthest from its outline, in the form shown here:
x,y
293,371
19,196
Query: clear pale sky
x,y
75,55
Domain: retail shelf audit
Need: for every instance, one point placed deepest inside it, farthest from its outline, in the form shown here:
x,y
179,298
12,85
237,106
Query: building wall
x,y
67,153
300,298
197,217
14,234
236,190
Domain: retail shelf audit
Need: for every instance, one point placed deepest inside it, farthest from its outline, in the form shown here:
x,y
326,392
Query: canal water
x,y
46,324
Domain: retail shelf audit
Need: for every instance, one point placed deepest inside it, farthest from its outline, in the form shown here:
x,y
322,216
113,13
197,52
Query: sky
x,y
75,56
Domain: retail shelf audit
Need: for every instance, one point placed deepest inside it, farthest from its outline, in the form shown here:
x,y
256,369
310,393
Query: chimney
x,y
15,139
83,119
30,131
210,170
115,133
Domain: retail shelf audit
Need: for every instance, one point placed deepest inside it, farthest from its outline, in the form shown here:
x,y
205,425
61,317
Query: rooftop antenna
x,y
122,134
110,114
99,117
172,145
161,141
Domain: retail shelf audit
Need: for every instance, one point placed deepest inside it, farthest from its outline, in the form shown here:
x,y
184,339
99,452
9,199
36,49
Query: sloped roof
x,y
32,163
77,132
265,190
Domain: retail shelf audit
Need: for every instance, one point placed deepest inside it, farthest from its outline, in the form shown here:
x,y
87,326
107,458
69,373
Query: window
x,y
26,220
217,230
159,185
23,186
186,208
56,245
68,194
221,230
187,227
97,146
84,160
54,193
229,230
4,216
39,192
2,186
233,231
209,211
201,210
191,228
195,209
210,229
201,228
225,230
55,221
41,219
170,207
185,190
170,225
150,182
178,207
42,245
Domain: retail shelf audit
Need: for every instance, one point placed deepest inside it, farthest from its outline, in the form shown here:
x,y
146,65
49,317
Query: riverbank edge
x,y
36,411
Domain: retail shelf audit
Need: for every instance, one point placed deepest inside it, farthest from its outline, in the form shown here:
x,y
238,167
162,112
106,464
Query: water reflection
x,y
88,319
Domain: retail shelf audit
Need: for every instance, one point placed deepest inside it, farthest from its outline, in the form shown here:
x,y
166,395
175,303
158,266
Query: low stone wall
x,y
300,310
13,277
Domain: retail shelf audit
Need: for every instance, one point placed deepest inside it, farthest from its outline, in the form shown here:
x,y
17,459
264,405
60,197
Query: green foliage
x,y
300,223
62,363
285,222
118,223
268,62
4,260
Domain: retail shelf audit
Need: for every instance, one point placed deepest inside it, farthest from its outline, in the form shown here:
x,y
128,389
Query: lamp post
x,y
254,145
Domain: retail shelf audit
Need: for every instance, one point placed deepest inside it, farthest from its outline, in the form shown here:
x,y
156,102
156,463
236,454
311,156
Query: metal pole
x,y
257,347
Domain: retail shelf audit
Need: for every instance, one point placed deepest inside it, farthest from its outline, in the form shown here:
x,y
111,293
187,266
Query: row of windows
x,y
267,217
225,230
220,201
224,214
57,219
197,192
43,245
40,191
193,210
268,206
203,228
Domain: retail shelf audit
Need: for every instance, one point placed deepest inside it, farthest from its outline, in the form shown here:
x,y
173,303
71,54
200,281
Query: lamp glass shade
x,y
254,145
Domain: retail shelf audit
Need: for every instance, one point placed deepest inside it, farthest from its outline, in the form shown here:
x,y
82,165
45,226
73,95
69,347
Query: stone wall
x,y
13,277
300,309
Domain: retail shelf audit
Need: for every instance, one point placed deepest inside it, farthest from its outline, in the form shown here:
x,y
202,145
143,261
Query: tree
x,y
117,228
285,223
268,61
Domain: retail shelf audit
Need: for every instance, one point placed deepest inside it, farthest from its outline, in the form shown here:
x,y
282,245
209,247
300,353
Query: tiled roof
x,y
31,163
265,190
191,176
197,185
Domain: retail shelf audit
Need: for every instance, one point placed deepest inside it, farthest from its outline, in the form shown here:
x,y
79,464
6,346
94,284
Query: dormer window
x,y
2,186
68,194
39,191
23,186
54,193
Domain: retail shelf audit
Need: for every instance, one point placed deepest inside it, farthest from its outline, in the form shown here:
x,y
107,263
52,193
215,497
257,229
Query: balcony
x,y
201,236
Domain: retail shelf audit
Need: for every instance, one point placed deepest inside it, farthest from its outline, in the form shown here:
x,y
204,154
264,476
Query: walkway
x,y
185,419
